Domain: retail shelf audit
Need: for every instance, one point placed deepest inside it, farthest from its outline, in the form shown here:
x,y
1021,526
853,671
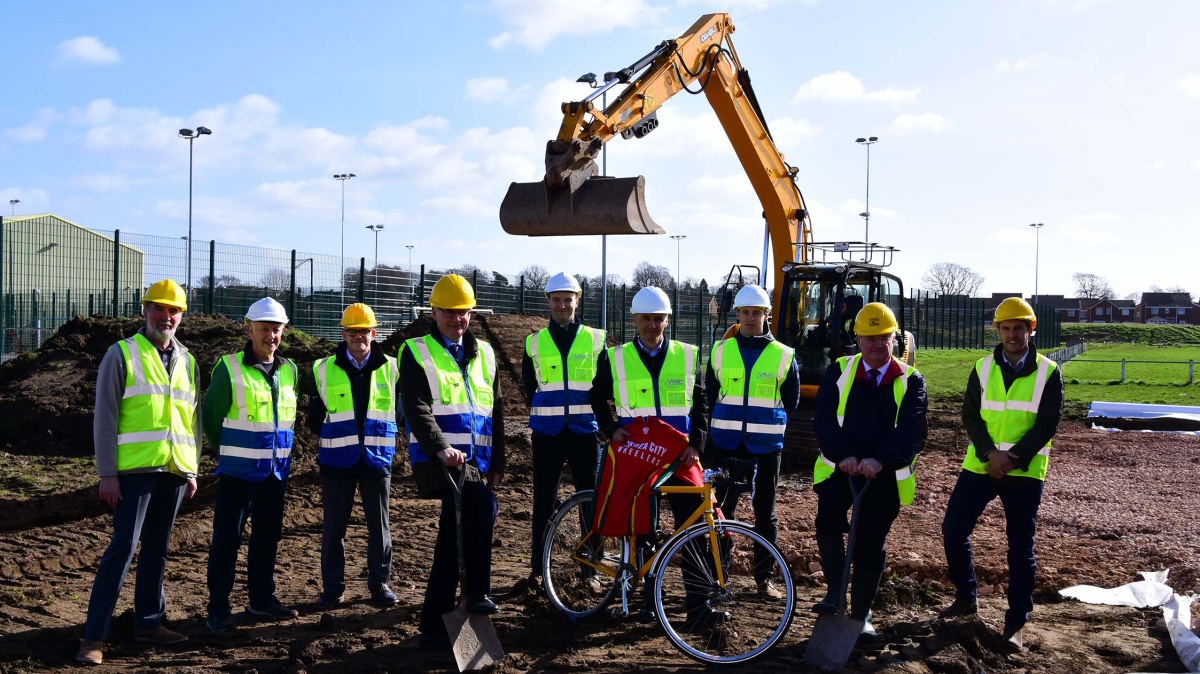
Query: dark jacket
x,y
602,394
870,429
1049,410
418,410
219,395
789,392
563,339
360,382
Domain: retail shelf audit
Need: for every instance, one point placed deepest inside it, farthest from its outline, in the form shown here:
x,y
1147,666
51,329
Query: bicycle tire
x,y
755,625
572,587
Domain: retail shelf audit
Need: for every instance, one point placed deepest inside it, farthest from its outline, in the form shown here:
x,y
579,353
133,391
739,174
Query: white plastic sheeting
x,y
1144,417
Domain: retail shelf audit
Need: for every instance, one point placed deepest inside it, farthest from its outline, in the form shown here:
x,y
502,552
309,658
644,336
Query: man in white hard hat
x,y
250,415
753,386
557,370
654,376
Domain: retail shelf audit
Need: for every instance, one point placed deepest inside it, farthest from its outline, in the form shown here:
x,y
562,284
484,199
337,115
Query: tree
x,y
951,278
276,279
535,276
1173,289
646,274
223,281
1135,296
1092,286
500,279
468,270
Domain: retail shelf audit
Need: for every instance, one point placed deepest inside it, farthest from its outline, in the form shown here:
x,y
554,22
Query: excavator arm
x,y
573,199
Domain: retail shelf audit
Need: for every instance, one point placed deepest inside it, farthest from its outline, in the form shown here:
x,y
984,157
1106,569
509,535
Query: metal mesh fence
x,y
959,322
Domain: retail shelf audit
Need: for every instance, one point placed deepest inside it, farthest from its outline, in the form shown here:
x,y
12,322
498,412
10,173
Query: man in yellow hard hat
x,y
249,416
353,408
557,370
452,413
1011,410
753,386
148,440
870,424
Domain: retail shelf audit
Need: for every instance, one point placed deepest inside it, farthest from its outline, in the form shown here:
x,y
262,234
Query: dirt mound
x,y
47,397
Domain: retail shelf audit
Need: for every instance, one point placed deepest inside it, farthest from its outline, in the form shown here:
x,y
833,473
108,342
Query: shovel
x,y
835,634
473,637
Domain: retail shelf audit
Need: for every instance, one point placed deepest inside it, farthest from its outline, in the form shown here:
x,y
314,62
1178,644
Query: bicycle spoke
x,y
573,582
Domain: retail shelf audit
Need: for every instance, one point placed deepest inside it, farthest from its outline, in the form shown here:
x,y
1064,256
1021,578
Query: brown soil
x,y
1115,504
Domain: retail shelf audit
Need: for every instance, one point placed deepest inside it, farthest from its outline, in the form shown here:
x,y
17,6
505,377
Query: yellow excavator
x,y
818,287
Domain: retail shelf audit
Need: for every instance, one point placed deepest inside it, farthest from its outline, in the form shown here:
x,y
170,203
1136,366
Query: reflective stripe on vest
x,y
463,412
255,441
1010,414
156,418
750,408
635,392
339,445
560,402
906,478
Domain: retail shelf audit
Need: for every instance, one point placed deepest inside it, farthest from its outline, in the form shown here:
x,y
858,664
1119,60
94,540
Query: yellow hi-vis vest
x,y
1010,414
561,399
906,478
638,394
156,419
256,433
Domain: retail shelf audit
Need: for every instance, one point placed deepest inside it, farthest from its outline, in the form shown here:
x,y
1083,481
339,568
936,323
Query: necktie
x,y
874,375
456,351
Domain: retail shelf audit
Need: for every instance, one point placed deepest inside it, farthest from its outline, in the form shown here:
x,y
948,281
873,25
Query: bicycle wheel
x,y
715,624
573,584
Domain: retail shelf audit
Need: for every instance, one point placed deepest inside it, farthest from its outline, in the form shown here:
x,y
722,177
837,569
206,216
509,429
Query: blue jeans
x,y
237,500
146,513
1021,497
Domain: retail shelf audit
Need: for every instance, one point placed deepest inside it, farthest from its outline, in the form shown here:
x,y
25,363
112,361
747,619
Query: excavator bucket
x,y
600,205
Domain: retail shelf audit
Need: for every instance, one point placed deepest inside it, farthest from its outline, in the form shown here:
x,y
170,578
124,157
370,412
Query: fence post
x,y
1191,371
69,307
3,334
1122,370
521,295
621,313
212,275
91,303
421,293
700,320
116,273
292,289
362,277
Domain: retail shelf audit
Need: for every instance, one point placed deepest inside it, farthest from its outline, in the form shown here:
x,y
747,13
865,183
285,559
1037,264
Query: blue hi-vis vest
x,y
256,436
340,446
561,399
638,394
462,405
748,404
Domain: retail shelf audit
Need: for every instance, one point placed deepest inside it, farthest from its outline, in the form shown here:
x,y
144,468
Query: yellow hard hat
x,y
452,292
358,316
875,319
166,292
1015,309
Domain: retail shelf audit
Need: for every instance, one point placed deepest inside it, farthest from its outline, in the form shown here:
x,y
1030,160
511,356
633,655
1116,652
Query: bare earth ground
x,y
1107,514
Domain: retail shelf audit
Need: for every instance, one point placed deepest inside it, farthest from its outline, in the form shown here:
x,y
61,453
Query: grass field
x,y
1133,333
946,373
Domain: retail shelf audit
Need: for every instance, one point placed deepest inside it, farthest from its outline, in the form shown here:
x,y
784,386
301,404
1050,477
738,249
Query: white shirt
x,y
651,352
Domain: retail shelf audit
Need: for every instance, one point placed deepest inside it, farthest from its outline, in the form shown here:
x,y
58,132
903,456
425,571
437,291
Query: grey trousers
x,y
337,495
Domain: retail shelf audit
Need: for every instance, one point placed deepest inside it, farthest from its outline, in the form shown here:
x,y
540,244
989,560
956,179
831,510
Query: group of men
x,y
444,387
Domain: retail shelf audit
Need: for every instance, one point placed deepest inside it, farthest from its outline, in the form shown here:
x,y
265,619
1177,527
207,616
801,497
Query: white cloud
x,y
926,121
1078,233
105,182
35,129
1157,165
853,207
487,89
536,23
789,132
465,206
1196,164
738,7
842,86
87,49
1098,216
1189,86
1013,236
824,219
736,185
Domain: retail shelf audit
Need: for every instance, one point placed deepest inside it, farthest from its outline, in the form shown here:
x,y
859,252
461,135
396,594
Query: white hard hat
x,y
563,283
267,310
752,296
650,300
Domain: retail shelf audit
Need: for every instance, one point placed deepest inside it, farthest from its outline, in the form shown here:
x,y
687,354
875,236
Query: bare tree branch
x,y
1092,286
951,278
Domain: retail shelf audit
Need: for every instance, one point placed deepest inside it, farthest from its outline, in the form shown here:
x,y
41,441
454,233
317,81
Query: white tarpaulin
x,y
1142,594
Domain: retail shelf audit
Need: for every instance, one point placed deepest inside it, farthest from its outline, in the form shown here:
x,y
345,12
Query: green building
x,y
52,269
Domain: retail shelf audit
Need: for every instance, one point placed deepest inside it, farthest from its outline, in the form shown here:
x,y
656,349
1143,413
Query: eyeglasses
x,y
356,332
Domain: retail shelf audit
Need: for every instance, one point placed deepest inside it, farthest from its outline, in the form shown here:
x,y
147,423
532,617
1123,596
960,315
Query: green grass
x,y
1133,333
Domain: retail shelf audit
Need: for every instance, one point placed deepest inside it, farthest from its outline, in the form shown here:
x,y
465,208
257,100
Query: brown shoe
x,y
90,653
160,636
767,590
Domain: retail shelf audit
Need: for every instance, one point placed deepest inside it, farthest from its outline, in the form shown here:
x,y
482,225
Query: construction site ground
x,y
1115,504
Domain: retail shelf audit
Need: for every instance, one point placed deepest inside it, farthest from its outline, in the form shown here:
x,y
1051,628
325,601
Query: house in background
x,y
1163,308
1068,308
1108,311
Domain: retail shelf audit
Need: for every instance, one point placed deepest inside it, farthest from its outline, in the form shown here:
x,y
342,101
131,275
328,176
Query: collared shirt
x,y
1020,364
358,365
650,352
455,348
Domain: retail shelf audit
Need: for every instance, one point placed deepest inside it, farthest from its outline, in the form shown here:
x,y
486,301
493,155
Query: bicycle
x,y
711,559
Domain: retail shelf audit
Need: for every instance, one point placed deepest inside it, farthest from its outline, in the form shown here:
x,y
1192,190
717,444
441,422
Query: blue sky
x,y
1080,114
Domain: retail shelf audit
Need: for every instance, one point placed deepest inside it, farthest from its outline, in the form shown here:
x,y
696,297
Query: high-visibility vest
x,y
638,394
750,407
156,419
906,477
462,404
257,435
340,446
562,401
1010,414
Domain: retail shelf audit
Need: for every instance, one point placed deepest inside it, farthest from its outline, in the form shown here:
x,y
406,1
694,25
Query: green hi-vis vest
x,y
906,478
156,421
1010,414
635,390
561,399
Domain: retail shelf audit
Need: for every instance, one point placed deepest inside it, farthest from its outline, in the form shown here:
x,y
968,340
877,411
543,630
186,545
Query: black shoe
x,y
328,600
481,605
383,596
1014,635
644,615
271,608
705,618
219,623
825,606
439,642
961,608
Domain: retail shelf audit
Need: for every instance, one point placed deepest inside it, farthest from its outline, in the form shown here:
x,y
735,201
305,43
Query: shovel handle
x,y
456,485
857,494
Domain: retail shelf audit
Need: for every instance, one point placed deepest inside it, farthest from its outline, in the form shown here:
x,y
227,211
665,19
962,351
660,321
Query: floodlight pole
x,y
1037,249
866,214
342,178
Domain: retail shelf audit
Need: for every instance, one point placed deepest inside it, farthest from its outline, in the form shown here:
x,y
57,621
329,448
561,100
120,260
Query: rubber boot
x,y
833,561
862,595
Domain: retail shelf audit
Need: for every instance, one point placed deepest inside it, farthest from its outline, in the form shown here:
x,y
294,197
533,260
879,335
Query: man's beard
x,y
160,335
